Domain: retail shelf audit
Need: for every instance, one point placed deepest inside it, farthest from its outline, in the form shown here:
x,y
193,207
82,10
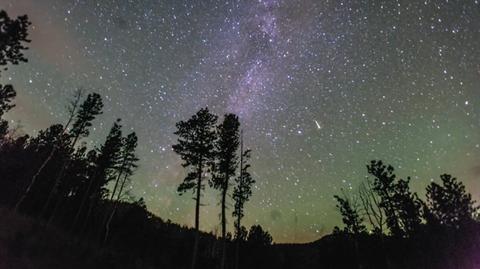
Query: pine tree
x,y
257,236
40,148
408,207
449,204
241,194
104,169
13,39
242,190
128,161
352,220
13,35
196,138
401,206
87,112
83,114
7,94
383,185
60,142
226,164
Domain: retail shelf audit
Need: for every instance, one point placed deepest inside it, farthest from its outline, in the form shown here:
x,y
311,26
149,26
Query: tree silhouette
x,y
257,236
352,220
7,94
196,148
88,111
79,178
449,204
241,194
371,206
243,189
84,115
350,216
104,171
56,143
60,142
226,164
401,206
408,207
128,161
383,185
13,35
241,234
35,150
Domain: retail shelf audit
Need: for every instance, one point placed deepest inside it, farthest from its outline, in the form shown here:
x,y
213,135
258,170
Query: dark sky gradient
x,y
322,87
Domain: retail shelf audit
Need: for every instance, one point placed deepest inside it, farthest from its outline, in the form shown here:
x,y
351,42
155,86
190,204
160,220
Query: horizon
x,y
320,88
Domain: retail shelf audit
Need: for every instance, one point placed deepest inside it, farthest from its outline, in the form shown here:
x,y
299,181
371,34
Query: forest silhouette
x,y
64,204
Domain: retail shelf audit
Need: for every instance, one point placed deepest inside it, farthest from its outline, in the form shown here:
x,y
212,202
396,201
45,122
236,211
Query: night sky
x,y
321,87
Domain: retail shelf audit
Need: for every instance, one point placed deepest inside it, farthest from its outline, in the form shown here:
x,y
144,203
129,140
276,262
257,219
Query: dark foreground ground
x,y
27,244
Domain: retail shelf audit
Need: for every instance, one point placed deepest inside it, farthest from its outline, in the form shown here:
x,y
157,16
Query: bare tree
x,y
370,203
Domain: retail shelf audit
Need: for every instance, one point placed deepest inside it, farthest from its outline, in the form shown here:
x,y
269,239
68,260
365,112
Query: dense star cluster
x,y
321,88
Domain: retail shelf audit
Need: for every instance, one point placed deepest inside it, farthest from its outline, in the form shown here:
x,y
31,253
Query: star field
x,y
321,87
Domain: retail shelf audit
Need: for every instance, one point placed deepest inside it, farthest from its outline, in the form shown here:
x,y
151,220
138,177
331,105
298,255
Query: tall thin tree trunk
x,y
238,226
197,215
52,192
224,219
237,243
120,173
107,225
72,110
108,216
224,223
34,179
82,203
58,179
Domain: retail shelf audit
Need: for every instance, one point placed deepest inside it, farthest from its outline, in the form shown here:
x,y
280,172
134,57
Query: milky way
x,y
321,87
